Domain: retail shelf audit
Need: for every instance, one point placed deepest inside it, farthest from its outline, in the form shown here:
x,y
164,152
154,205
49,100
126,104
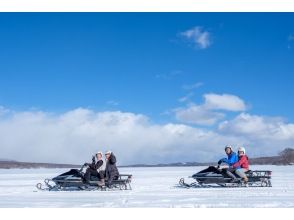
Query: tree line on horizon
x,y
285,157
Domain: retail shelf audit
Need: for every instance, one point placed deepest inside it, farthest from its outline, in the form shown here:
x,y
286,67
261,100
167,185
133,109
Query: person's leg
x,y
111,177
95,173
241,173
229,172
87,175
101,182
116,177
109,181
90,172
106,174
102,174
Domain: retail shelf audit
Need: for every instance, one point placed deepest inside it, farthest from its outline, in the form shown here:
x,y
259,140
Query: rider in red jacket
x,y
242,163
242,166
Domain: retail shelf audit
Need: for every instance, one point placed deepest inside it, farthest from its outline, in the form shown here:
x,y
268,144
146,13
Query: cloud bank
x,y
73,136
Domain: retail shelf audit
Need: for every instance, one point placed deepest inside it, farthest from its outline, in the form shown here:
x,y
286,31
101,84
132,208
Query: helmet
x,y
108,152
99,152
242,149
228,146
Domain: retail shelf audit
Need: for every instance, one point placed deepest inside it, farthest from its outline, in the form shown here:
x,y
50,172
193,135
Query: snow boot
x,y
245,181
101,182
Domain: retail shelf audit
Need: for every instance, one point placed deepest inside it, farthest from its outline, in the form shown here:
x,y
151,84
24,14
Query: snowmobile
x,y
74,180
218,177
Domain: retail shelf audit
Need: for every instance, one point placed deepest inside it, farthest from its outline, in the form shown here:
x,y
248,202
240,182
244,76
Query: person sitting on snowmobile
x,y
96,169
242,166
111,169
232,159
232,156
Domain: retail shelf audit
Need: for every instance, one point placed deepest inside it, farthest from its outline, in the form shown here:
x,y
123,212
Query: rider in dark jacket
x,y
111,170
95,168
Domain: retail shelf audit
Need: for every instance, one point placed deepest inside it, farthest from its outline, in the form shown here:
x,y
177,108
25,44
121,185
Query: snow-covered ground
x,y
152,187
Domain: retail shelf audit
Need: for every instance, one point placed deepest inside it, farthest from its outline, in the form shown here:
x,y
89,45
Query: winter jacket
x,y
99,166
232,158
95,166
102,167
242,163
111,169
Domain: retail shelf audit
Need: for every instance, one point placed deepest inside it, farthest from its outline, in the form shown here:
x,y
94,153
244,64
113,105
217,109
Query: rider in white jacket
x,y
96,169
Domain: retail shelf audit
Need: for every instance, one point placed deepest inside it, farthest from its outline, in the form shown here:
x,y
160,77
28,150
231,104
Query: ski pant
x,y
241,172
93,172
110,178
229,172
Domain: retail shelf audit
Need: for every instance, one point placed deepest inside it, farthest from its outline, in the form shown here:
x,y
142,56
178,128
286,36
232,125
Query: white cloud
x,y
258,127
224,102
72,137
197,114
199,37
186,97
3,110
206,113
193,86
264,135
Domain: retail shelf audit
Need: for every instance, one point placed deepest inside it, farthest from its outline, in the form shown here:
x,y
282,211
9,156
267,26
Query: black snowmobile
x,y
216,177
74,180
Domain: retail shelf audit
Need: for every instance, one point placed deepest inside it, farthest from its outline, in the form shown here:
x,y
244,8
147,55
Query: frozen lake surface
x,y
152,187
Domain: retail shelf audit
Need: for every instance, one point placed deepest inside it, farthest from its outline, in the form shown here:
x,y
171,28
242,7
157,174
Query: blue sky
x,y
57,61
145,63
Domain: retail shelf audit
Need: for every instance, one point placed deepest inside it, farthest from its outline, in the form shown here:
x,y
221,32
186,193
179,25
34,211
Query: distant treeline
x,y
27,165
285,157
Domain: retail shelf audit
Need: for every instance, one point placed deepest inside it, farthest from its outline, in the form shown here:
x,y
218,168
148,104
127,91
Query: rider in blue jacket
x,y
232,156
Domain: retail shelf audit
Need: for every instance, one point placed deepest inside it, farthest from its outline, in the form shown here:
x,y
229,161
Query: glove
x,y
219,162
86,164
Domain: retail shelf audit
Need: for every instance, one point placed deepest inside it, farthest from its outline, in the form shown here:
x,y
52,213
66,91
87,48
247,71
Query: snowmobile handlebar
x,y
82,167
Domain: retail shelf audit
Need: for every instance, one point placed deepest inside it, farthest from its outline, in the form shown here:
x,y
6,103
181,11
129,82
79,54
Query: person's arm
x,y
96,166
90,164
223,160
112,159
239,163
